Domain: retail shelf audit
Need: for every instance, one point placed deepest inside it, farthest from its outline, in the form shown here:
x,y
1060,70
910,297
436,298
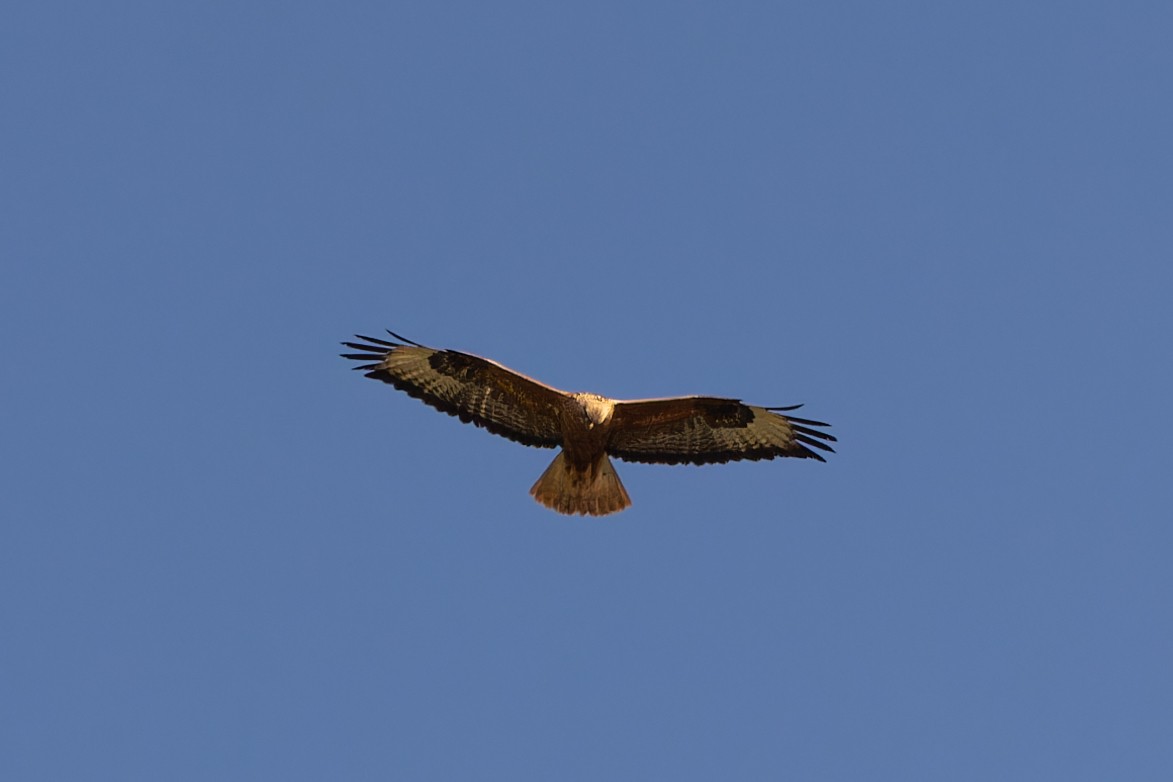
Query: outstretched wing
x,y
472,388
705,429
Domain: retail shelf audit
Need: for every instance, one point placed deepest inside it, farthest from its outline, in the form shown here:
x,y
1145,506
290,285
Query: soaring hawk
x,y
587,427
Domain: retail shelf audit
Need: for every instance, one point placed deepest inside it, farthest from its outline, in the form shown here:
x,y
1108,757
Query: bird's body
x,y
582,479
587,427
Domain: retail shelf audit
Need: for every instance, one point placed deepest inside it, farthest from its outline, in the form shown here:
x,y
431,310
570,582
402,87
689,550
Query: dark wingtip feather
x,y
805,433
401,339
814,432
807,439
376,350
377,341
802,424
806,421
806,430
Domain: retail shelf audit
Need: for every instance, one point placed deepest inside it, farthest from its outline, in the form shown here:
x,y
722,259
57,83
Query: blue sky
x,y
945,227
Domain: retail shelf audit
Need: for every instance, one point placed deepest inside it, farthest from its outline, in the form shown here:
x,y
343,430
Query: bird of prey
x,y
587,427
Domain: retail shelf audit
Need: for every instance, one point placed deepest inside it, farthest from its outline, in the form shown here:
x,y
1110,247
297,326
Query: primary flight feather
x,y
587,427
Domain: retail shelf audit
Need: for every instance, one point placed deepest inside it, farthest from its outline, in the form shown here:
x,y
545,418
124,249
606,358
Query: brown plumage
x,y
589,428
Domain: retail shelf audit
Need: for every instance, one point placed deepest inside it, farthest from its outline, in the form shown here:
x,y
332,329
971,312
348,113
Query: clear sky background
x,y
946,227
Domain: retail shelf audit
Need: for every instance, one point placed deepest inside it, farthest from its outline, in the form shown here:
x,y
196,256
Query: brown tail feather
x,y
595,491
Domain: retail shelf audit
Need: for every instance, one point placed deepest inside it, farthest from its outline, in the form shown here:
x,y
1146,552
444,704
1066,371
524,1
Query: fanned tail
x,y
595,491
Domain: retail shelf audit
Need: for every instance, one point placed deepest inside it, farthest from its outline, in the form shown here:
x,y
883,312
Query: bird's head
x,y
597,409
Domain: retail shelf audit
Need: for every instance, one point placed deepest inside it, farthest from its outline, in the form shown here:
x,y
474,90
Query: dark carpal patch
x,y
724,414
453,364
